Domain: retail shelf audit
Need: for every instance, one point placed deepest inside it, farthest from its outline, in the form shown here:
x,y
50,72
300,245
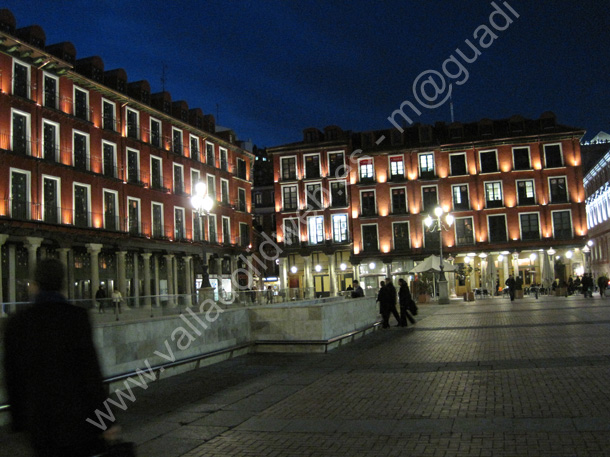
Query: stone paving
x,y
488,378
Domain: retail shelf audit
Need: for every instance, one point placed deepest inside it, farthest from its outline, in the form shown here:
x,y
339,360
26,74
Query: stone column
x,y
121,273
505,269
32,244
169,266
388,270
136,280
175,277
334,285
157,282
94,251
283,273
63,258
12,267
188,281
516,265
3,239
146,257
356,272
308,277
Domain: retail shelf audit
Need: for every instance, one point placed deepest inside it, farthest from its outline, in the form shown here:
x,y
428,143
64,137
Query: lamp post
x,y
439,225
203,203
587,252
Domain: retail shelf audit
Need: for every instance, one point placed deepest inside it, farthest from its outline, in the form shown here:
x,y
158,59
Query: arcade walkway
x,y
488,378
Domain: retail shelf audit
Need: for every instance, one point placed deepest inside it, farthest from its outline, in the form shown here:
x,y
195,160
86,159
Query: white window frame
x,y
245,199
375,199
176,129
196,138
307,195
87,102
296,166
196,218
334,233
87,147
237,161
298,225
114,118
56,79
225,235
137,113
29,78
57,138
485,183
408,229
319,166
208,143
529,155
114,157
406,198
474,234
241,226
533,181
453,196
316,221
505,227
370,175
160,159
89,210
495,151
567,189
28,175
328,154
180,209
28,133
421,191
465,162
212,222
181,168
553,221
521,229
330,191
402,161
150,124
563,162
139,213
228,200
127,163
116,204
57,197
298,197
220,152
207,183
419,155
195,178
152,219
362,233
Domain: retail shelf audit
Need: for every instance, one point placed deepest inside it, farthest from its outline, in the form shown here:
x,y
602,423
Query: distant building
x,y
98,171
352,205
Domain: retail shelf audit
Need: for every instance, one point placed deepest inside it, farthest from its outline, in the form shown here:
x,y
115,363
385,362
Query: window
x,y
521,158
156,173
133,215
108,115
312,166
226,230
291,232
212,229
369,238
464,234
194,148
178,179
258,198
155,133
366,170
558,190
197,228
51,211
289,168
553,157
338,194
111,210
244,235
80,150
51,83
461,198
313,193
397,167
489,161
336,165
133,166
429,198
315,226
224,159
21,80
289,198
399,200
179,230
158,230
493,194
195,178
241,199
224,191
133,124
562,225
209,155
21,133
81,104
241,169
426,165
431,238
526,194
212,186
368,205
530,227
340,231
457,163
50,141
497,228
82,203
400,233
20,194
176,141
109,159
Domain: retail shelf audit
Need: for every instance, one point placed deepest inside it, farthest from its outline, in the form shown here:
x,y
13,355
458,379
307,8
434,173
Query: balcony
x,y
427,175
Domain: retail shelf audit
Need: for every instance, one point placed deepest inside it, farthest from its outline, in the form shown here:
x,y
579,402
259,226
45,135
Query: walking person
x,y
511,283
53,377
404,299
602,283
387,300
117,298
100,296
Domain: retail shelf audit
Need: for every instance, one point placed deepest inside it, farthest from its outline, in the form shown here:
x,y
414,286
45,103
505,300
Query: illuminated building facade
x,y
514,187
98,172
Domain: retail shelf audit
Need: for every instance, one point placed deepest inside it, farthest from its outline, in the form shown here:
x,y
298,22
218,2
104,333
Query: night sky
x,y
269,69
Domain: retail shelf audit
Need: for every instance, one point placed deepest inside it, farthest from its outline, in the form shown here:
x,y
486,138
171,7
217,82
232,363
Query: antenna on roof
x,y
163,68
451,108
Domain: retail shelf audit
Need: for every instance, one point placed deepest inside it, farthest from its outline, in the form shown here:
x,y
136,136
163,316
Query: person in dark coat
x,y
602,283
387,302
404,297
511,283
358,292
53,378
100,296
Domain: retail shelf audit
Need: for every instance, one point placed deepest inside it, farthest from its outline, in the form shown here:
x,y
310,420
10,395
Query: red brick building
x,y
514,187
98,171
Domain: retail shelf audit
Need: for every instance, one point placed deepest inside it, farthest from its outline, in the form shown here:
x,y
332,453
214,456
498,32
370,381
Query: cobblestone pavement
x,y
488,378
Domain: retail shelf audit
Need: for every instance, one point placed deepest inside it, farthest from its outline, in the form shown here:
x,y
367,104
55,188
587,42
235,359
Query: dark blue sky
x,y
277,67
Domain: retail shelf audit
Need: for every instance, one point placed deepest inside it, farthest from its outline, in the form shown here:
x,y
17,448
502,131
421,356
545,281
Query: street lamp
x,y
439,225
587,251
203,204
